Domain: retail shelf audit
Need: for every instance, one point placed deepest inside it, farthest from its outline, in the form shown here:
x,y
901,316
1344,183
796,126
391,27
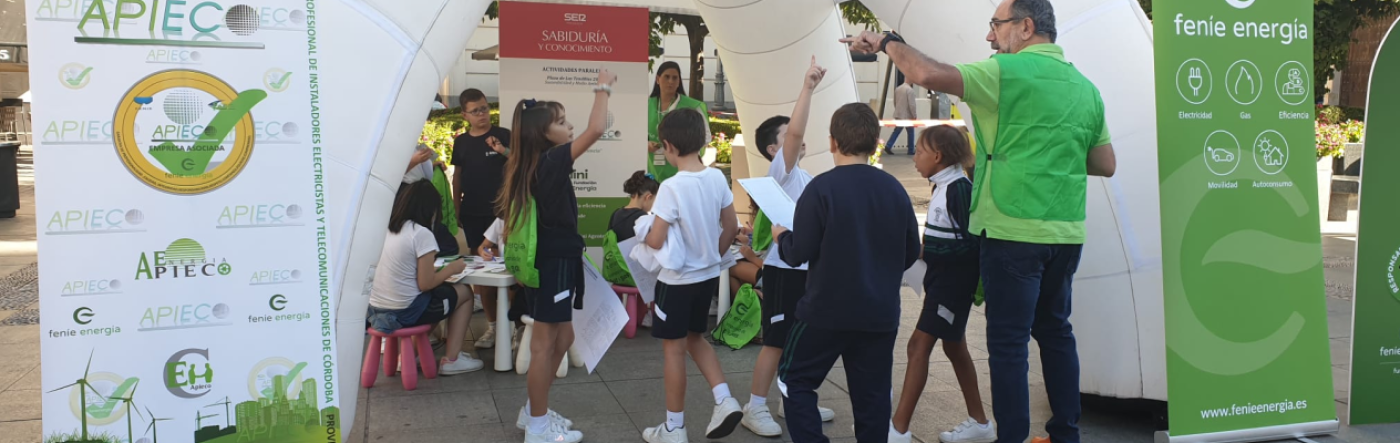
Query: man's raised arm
x,y
922,69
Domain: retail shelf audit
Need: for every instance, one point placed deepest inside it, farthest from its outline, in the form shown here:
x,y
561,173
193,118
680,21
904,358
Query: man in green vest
x,y
1040,125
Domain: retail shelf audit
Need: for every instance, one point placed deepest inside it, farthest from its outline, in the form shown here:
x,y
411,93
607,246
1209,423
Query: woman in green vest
x,y
667,95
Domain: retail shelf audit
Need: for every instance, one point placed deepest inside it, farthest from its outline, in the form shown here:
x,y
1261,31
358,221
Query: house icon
x,y
1273,156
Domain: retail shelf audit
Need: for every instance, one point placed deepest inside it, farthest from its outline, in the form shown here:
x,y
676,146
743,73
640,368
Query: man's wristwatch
x,y
890,37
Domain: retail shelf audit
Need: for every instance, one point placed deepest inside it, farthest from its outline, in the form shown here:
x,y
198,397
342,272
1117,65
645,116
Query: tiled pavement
x,y
625,394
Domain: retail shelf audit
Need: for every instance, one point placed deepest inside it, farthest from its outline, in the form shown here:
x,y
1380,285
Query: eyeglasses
x,y
479,111
994,22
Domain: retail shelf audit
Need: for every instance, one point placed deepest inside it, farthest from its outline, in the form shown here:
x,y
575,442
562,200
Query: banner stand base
x,y
1255,434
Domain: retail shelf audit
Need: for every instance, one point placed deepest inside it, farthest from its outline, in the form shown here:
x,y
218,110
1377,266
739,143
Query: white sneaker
x,y
970,432
759,420
554,433
826,413
487,340
464,364
726,417
522,420
659,434
896,437
515,339
476,304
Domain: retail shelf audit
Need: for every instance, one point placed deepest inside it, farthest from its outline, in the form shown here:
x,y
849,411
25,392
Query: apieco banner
x,y
1246,319
185,285
552,52
1375,364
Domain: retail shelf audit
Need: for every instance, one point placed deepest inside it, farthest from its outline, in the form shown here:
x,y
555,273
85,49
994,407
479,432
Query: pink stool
x,y
413,339
632,300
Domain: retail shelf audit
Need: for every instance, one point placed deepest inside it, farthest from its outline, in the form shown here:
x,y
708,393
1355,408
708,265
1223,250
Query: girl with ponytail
x,y
539,207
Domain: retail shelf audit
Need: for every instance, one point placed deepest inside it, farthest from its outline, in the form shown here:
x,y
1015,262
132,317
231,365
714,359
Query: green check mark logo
x,y
195,160
78,80
286,381
280,83
105,409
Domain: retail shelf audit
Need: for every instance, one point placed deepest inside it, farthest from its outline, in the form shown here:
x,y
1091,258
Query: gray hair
x,y
1040,12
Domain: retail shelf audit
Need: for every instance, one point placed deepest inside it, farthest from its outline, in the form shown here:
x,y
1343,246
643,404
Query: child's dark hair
x,y
950,142
528,137
470,95
856,129
768,134
684,129
418,203
640,183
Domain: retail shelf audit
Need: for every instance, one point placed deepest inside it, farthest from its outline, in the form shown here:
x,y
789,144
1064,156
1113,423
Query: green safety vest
x,y
1050,116
654,114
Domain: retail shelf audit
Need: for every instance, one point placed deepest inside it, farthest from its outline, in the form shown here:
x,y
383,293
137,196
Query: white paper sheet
x,y
771,198
602,318
646,281
914,277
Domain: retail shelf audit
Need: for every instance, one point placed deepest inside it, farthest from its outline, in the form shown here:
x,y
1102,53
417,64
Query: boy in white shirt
x,y
783,285
696,205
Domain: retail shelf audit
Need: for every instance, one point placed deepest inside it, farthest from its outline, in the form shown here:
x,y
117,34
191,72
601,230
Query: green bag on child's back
x,y
615,268
520,247
741,324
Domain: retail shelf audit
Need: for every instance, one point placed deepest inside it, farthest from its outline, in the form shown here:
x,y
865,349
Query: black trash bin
x,y
9,179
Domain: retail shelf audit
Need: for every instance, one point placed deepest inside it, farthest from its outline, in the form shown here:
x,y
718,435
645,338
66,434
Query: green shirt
x,y
982,92
656,161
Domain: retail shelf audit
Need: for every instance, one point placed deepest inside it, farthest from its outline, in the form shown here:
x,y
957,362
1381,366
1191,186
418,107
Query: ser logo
x,y
571,17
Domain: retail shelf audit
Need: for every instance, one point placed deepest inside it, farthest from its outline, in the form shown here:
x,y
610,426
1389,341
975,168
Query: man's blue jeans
x,y
1027,290
889,147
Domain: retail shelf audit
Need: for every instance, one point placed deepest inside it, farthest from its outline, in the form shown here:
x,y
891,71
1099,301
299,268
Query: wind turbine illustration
x,y
155,433
130,401
199,419
224,402
83,388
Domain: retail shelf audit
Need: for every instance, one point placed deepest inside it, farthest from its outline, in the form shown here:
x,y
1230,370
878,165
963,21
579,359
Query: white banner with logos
x,y
183,245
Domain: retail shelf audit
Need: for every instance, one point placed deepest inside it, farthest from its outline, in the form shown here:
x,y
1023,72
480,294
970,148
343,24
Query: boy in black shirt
x,y
855,227
479,156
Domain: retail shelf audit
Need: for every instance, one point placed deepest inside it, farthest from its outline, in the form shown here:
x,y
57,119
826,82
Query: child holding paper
x,y
697,206
783,284
951,254
851,224
537,180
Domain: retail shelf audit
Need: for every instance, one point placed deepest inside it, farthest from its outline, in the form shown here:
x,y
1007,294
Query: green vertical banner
x,y
1246,319
1375,354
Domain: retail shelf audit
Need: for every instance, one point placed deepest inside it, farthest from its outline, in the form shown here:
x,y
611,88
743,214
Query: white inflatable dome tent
x,y
383,58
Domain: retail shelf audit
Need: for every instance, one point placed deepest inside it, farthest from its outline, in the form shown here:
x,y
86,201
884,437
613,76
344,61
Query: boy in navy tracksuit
x,y
855,227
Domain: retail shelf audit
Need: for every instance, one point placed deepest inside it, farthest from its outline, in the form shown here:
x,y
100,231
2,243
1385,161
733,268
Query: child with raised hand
x,y
537,171
641,191
855,228
942,155
697,206
782,142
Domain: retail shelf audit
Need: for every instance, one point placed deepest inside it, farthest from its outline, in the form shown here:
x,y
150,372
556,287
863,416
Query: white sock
x,y
674,420
755,400
984,425
721,392
527,406
896,431
538,424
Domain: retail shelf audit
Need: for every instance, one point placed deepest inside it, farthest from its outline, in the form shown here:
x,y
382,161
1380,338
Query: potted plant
x,y
1331,140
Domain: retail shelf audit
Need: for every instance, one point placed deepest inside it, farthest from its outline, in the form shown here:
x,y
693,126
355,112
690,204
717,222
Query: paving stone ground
x,y
624,394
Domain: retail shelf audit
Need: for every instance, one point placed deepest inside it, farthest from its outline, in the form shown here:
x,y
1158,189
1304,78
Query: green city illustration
x,y
276,417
